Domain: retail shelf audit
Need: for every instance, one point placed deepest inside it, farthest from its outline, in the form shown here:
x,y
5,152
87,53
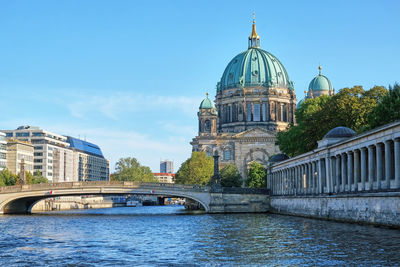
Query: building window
x,y
37,134
256,112
248,111
22,134
264,112
207,125
38,160
9,134
37,167
38,154
227,154
38,147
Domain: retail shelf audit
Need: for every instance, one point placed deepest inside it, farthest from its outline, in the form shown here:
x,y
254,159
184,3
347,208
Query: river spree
x,y
167,236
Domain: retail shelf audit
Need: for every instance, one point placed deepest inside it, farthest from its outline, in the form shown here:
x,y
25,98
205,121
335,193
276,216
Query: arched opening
x,y
24,205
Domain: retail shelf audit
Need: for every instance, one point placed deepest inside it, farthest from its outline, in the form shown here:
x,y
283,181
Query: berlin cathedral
x,y
254,100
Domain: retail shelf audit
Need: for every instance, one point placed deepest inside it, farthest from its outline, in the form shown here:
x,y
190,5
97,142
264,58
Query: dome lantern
x,y
254,39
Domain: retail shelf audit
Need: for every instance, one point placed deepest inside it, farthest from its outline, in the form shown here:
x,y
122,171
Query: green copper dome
x,y
255,67
320,83
207,104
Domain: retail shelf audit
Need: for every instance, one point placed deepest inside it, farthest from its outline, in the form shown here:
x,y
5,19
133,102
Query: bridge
x,y
21,198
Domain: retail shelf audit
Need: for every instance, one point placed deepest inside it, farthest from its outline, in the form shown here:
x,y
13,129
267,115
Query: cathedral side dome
x,y
320,85
207,104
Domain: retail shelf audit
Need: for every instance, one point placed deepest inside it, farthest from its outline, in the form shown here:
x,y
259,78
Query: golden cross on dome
x,y
254,17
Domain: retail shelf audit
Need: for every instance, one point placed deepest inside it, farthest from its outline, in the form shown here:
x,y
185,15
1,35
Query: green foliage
x,y
350,107
230,176
129,169
35,178
256,176
388,109
198,169
7,178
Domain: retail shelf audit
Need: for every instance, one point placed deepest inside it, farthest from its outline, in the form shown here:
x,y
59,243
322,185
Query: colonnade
x,y
359,168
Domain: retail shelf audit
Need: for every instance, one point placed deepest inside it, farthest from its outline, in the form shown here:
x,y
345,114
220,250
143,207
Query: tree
x,y
7,178
256,176
388,109
35,178
230,176
350,107
129,169
198,169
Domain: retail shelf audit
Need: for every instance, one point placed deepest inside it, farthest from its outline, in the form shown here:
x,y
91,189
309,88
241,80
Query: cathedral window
x,y
264,112
208,126
256,112
227,154
230,113
248,111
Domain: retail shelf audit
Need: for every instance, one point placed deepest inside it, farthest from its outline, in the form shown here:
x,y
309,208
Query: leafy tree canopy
x,y
256,176
36,178
387,110
230,176
129,169
7,178
198,169
350,107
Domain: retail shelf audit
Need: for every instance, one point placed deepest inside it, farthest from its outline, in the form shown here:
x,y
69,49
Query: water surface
x,y
167,236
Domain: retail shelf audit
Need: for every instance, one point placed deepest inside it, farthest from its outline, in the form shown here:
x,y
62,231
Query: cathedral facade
x,y
254,100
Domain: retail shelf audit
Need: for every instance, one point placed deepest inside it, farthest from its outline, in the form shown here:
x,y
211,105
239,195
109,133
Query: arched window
x,y
207,126
227,154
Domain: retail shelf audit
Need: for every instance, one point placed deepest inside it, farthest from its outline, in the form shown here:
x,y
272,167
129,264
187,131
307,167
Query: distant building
x,y
89,162
16,152
52,157
164,177
167,166
3,151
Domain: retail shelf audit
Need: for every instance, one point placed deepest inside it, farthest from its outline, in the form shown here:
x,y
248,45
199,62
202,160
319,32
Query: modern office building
x,y
52,156
18,151
165,177
167,166
89,162
3,151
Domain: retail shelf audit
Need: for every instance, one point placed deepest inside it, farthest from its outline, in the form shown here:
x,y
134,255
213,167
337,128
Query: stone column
x,y
371,167
397,163
388,163
356,168
302,179
349,170
379,165
338,173
307,182
333,174
320,176
310,178
343,172
363,167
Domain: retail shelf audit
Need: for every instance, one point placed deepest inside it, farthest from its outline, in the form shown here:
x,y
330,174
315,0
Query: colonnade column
x,y
388,163
343,173
333,174
371,167
349,170
363,167
338,173
357,170
379,165
320,175
397,163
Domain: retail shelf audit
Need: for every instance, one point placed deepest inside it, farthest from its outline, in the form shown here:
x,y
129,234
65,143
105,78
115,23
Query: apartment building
x,y
18,151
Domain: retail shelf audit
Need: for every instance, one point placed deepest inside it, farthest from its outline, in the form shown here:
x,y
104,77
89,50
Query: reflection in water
x,y
169,236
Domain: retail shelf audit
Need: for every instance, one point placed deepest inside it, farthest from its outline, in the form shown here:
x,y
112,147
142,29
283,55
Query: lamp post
x,y
216,178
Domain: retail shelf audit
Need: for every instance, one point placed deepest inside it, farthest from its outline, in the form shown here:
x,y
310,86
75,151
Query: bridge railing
x,y
52,186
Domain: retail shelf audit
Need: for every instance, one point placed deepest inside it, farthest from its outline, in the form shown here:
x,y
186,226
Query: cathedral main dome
x,y
255,67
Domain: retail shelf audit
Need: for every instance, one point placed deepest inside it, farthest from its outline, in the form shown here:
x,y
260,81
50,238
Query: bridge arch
x,y
22,199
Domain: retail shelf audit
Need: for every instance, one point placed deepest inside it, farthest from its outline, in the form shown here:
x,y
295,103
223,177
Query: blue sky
x,y
129,75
